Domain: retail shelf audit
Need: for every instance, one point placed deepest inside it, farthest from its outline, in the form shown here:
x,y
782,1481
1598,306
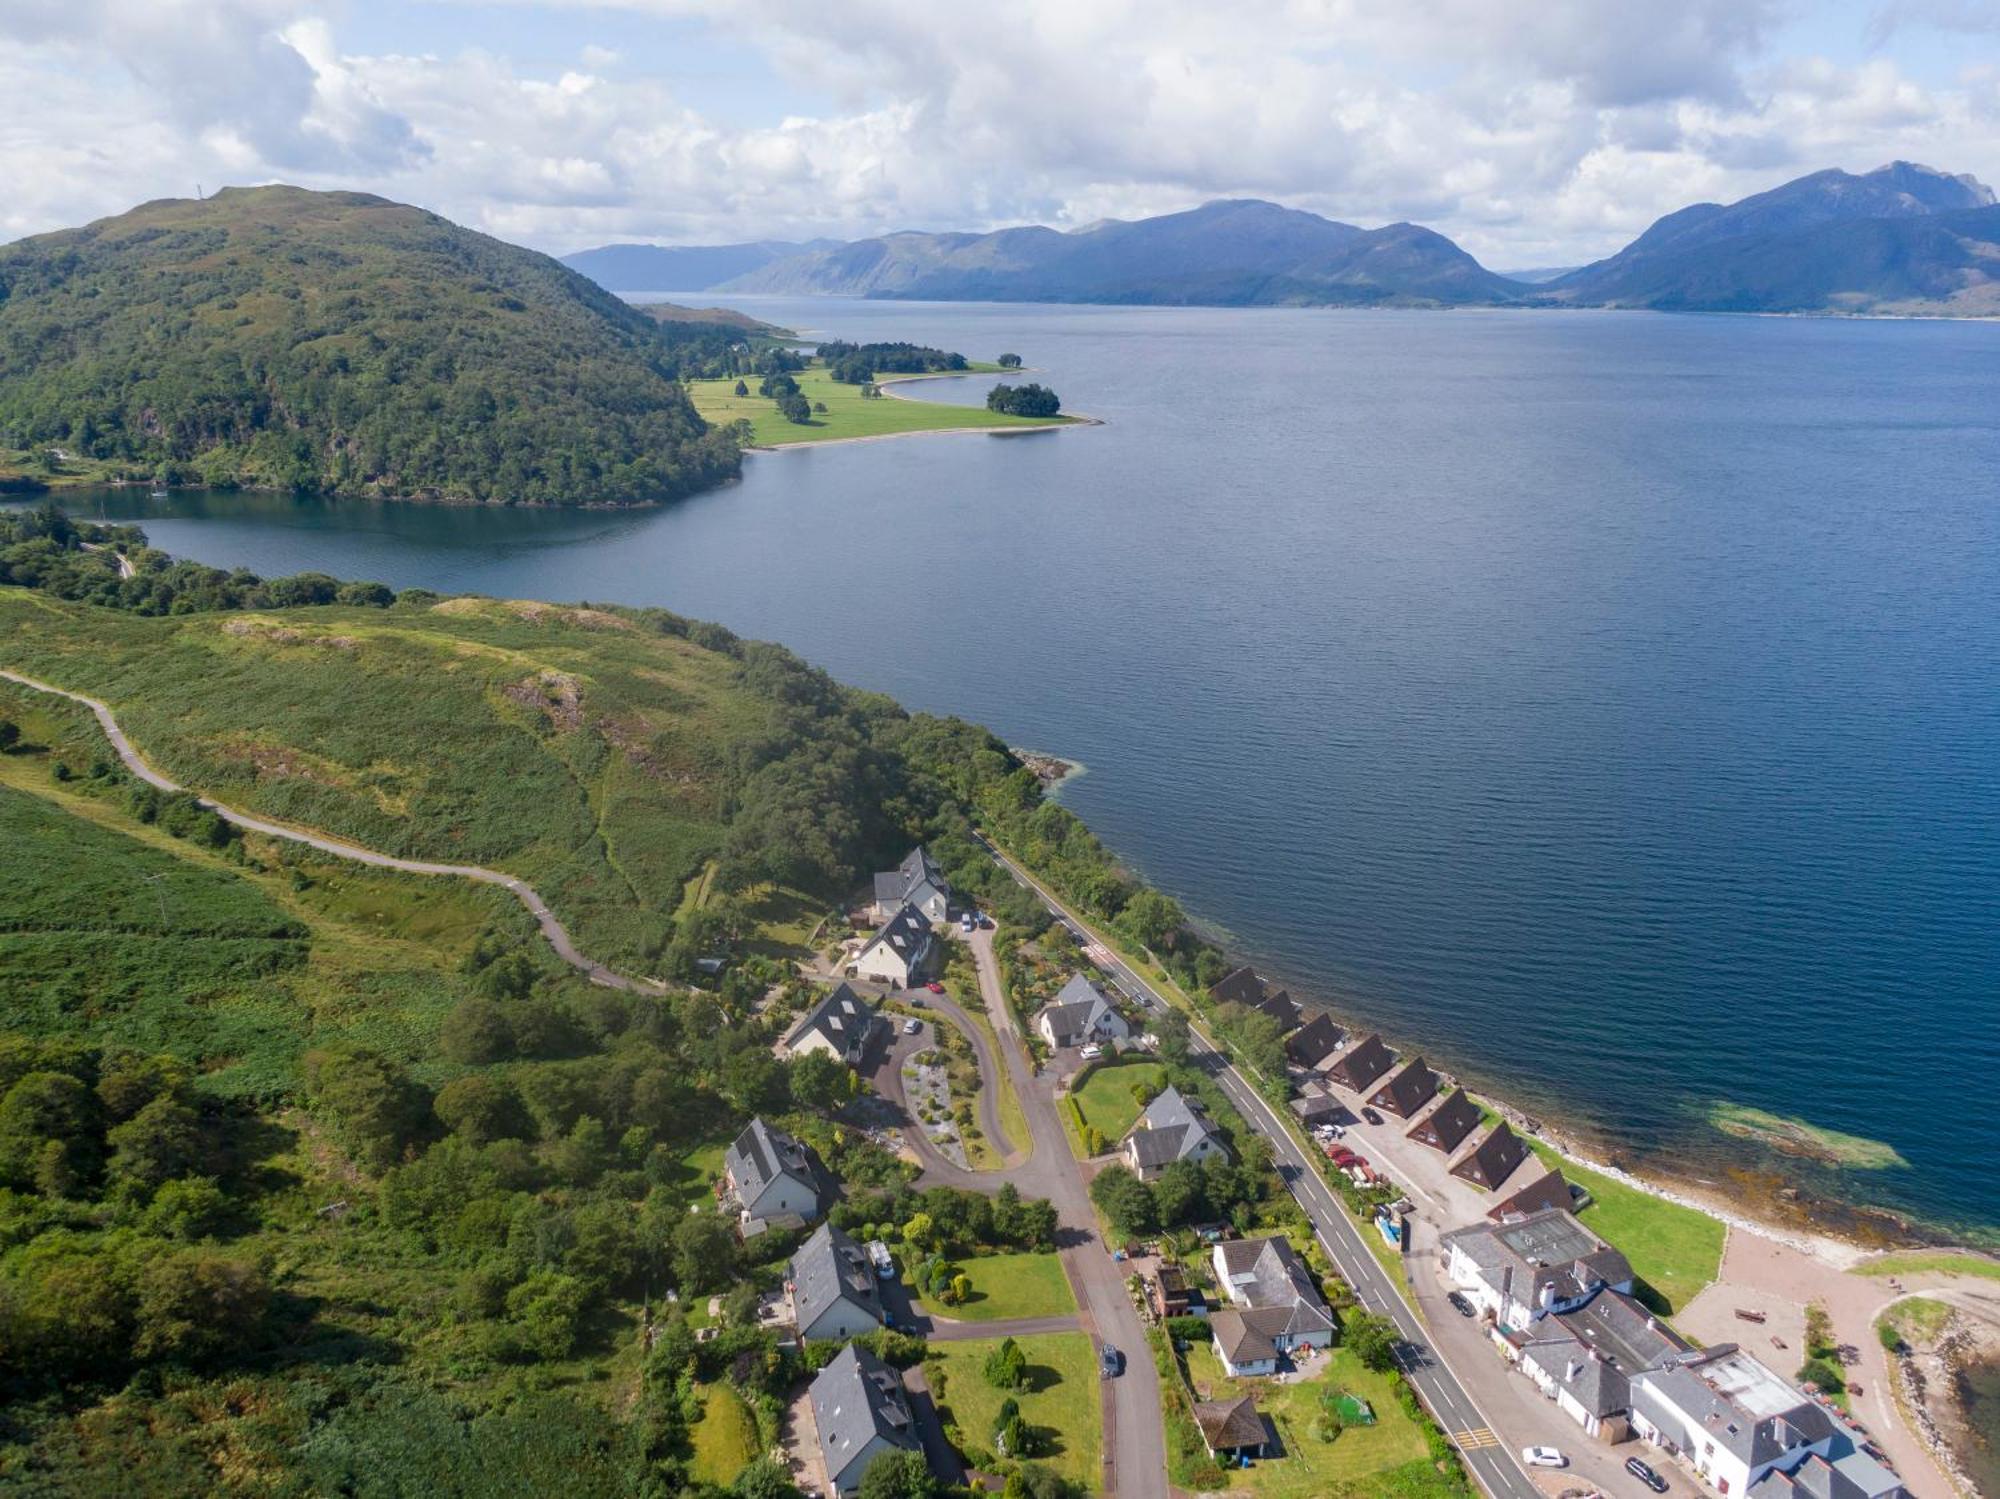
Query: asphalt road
x,y
1494,1467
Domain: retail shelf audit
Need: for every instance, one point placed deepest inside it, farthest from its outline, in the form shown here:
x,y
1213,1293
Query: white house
x,y
1080,1013
1527,1268
839,1026
918,882
901,953
1584,1360
1173,1128
1730,1418
861,1412
833,1288
773,1180
1275,1307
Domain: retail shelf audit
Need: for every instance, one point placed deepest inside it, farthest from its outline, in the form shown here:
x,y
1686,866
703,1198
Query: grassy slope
x,y
1062,1399
397,729
1010,1285
1106,1095
725,1439
848,412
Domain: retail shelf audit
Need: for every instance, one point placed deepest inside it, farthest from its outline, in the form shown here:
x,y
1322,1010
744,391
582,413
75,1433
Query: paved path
x,y
1494,1466
557,935
946,1330
939,1169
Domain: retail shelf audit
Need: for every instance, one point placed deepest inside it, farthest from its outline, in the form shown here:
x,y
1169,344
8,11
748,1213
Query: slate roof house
x,y
1314,1105
1848,1474
1240,986
1275,1306
1173,1128
1408,1091
861,1412
1080,1013
1231,1428
774,1181
833,1288
1309,1047
1523,1271
1731,1419
1282,1008
1449,1125
1361,1067
901,953
918,882
840,1025
1493,1160
1548,1191
1584,1359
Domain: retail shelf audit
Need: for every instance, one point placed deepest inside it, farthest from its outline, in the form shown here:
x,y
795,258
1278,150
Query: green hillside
x,y
342,343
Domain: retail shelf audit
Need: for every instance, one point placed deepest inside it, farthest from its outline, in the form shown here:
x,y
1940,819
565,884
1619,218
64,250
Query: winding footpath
x,y
552,928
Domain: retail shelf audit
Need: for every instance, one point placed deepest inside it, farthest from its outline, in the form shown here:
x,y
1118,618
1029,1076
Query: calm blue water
x,y
1607,703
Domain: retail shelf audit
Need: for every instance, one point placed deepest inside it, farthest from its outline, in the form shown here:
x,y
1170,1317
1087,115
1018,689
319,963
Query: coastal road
x,y
551,928
1492,1465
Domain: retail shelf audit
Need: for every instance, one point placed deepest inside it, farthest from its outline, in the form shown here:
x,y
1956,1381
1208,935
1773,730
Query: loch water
x,y
1607,704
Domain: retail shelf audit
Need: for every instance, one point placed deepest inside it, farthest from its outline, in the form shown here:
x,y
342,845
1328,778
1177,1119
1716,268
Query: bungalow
x,y
1241,986
833,1288
840,1026
1080,1013
918,882
861,1413
1549,1191
1361,1067
1449,1125
1408,1091
1232,1429
1173,1128
774,1181
1315,1105
1319,1040
1493,1160
901,953
1275,1306
1523,1271
1731,1419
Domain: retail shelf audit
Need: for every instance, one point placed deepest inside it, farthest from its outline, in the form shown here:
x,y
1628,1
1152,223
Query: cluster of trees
x,y
951,1221
1023,400
792,403
1186,1193
859,364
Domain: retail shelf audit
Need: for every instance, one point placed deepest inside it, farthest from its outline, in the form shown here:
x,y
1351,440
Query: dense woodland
x,y
342,344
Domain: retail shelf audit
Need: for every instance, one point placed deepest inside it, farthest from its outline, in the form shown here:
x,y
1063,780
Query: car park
x,y
1644,1472
1543,1457
1459,1304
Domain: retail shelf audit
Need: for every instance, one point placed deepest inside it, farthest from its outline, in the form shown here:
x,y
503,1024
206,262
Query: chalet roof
x,y
1319,1040
918,869
1448,1125
855,1399
1229,1424
828,1268
843,1017
1493,1160
1171,1128
1551,1190
1239,987
907,933
1282,1008
1408,1091
761,1154
1359,1067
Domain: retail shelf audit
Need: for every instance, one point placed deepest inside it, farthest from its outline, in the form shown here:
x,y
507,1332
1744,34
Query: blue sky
x,y
1534,133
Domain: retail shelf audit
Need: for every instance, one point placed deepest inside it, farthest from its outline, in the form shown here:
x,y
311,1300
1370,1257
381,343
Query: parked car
x,y
1110,1362
1543,1457
935,987
1459,1304
1371,1116
912,1026
1091,1052
965,922
1643,1471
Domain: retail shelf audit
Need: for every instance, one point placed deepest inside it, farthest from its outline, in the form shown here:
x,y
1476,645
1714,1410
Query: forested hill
x,y
341,343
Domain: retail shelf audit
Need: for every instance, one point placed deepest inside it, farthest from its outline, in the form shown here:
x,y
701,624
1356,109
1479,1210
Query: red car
x,y
935,987
1340,1155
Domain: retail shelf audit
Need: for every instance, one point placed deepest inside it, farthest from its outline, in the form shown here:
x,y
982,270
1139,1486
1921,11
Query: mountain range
x,y
1902,238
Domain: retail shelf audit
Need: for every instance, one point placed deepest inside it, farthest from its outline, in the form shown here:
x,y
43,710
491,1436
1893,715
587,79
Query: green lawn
x,y
1676,1250
725,1438
1061,1401
848,413
1010,1285
1943,1262
1386,1458
1105,1099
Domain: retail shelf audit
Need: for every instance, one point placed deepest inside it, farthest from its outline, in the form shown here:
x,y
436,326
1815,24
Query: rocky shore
x,y
1930,1370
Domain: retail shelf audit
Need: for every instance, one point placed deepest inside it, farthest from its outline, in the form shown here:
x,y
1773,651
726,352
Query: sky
x,y
1534,132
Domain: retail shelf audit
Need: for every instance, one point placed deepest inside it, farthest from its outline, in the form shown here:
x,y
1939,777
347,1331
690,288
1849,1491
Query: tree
x,y
1034,1481
375,1108
764,1479
1009,361
920,1233
1171,1029
1007,1366
742,389
1023,400
187,1210
193,1307
1126,1201
44,1108
548,1308
480,1108
899,1475
820,1083
705,1253
1010,1432
1372,1339
163,1140
795,408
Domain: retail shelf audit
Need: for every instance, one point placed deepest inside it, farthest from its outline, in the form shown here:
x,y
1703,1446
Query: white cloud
x,y
1532,132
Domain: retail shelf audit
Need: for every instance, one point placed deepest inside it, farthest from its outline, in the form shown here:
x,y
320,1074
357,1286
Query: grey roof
x,y
1848,1473
1075,1009
1594,1352
1549,1250
1239,987
761,1154
828,1268
908,932
1319,1040
1240,1342
1171,1128
843,1017
894,886
1448,1125
1494,1159
1279,1281
1548,1191
1282,1008
1229,1424
855,1399
1313,1104
1734,1401
1361,1065
1408,1091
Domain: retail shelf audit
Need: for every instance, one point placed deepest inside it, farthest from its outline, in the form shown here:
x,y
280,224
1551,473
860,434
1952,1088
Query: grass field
x,y
1105,1100
1676,1250
1937,1261
1061,1401
1386,1458
848,412
1010,1285
725,1438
